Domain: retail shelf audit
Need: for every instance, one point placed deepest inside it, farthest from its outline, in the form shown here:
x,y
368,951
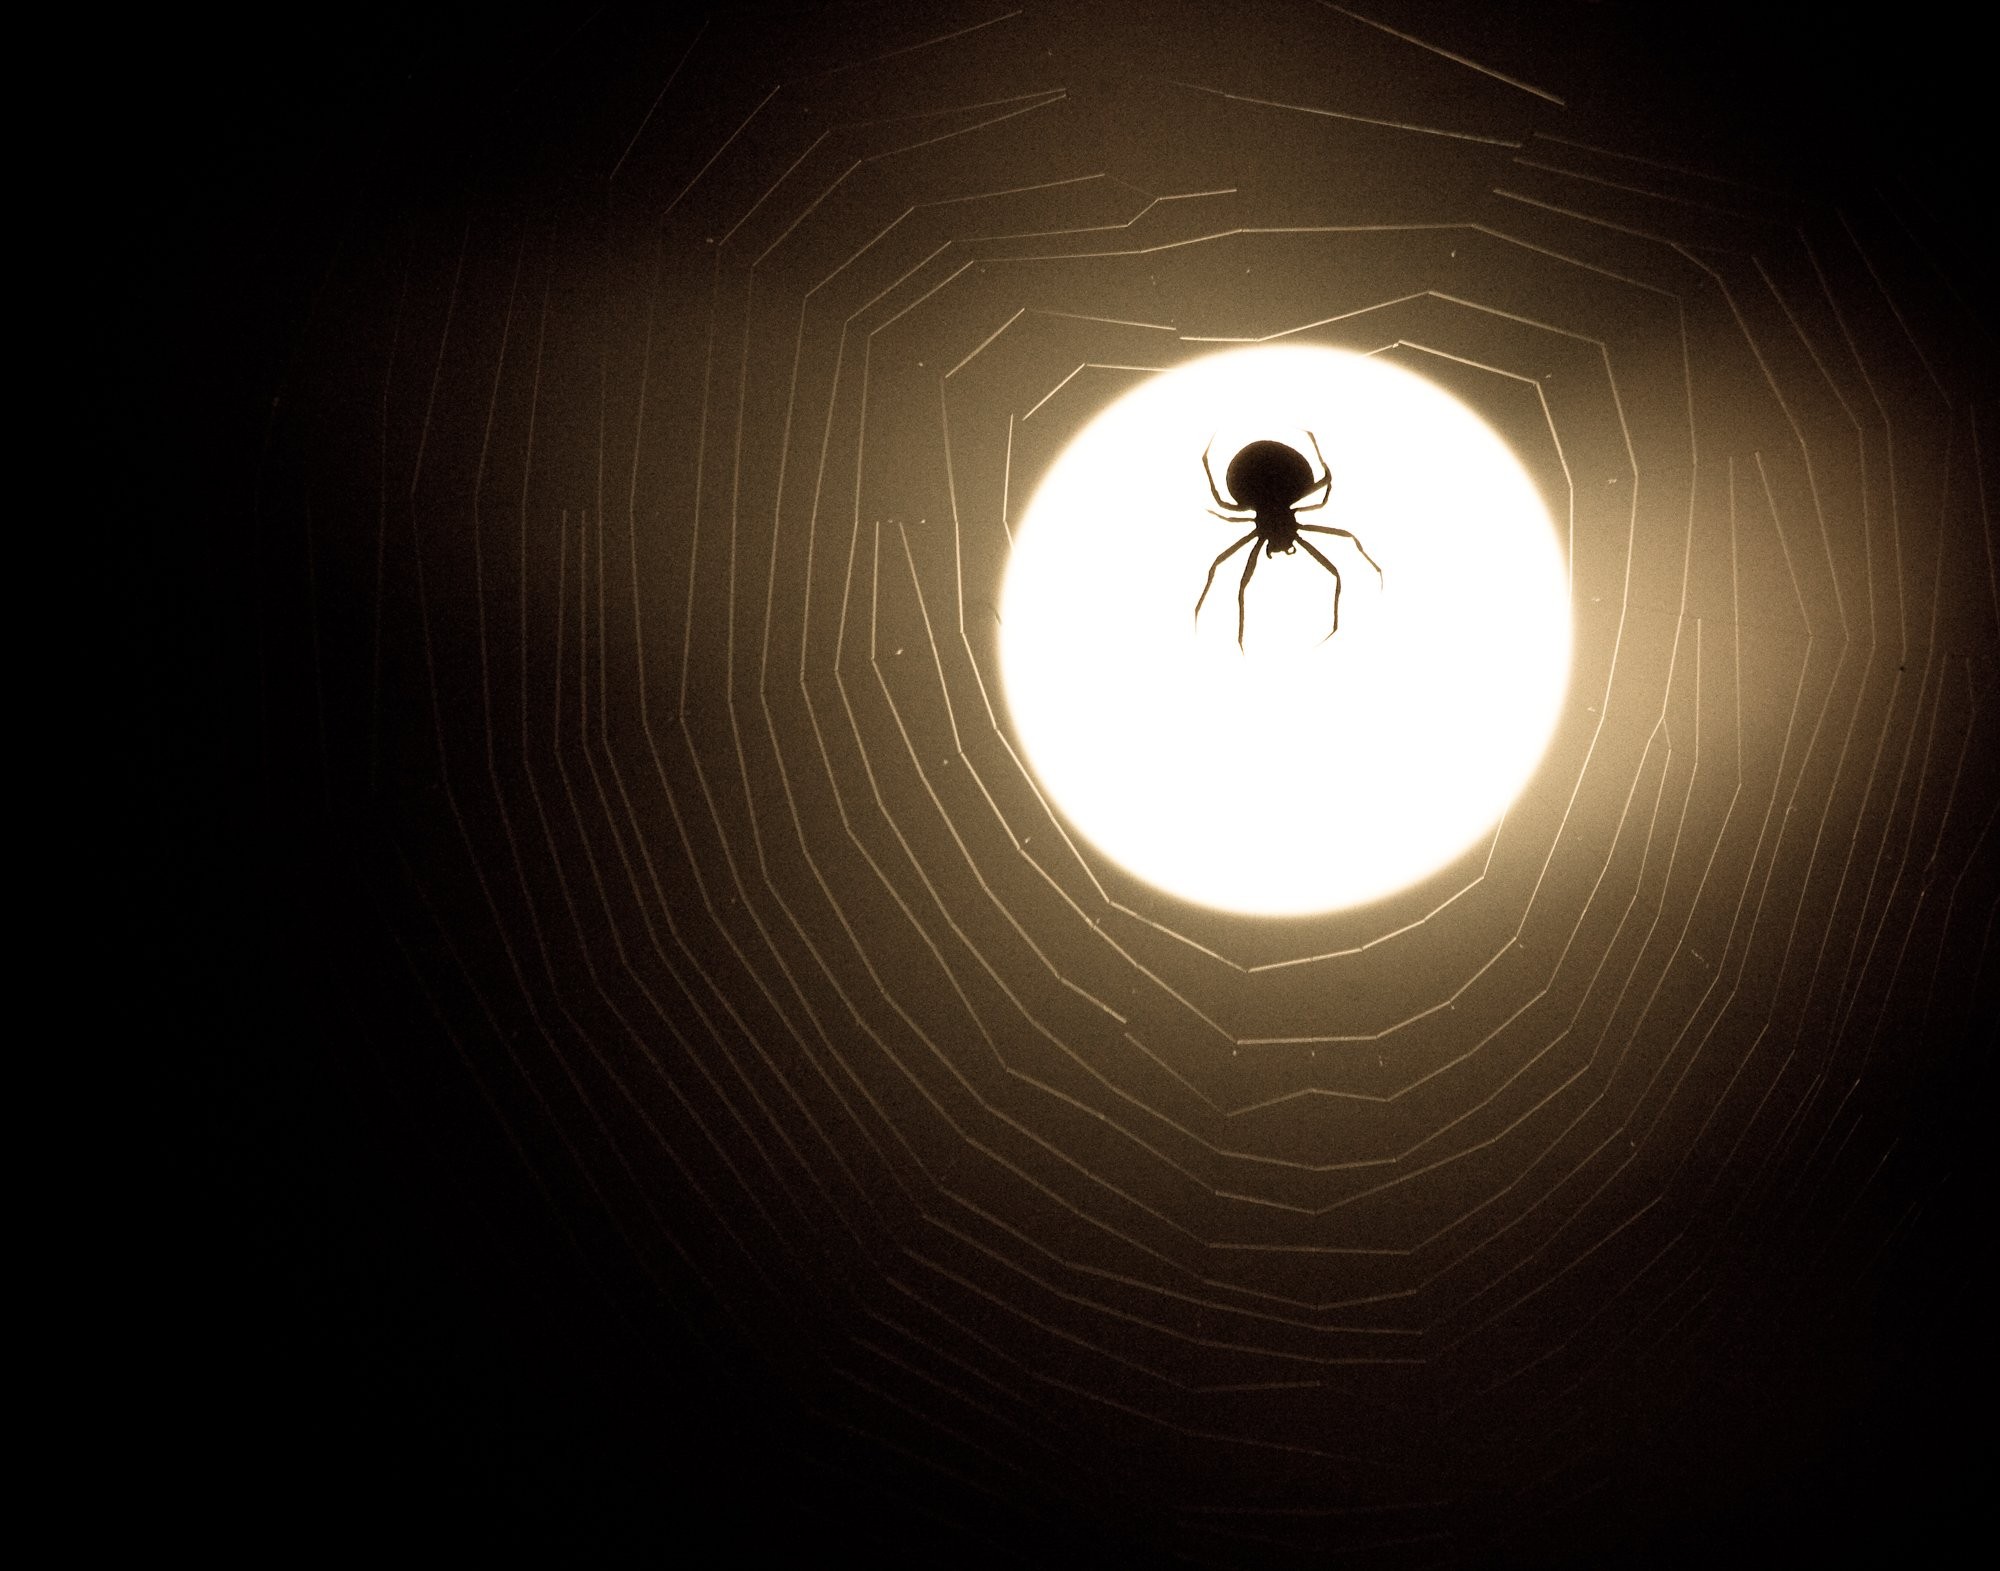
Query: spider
x,y
1272,479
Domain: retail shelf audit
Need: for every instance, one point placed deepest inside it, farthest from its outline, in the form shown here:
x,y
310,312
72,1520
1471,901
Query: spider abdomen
x,y
1269,477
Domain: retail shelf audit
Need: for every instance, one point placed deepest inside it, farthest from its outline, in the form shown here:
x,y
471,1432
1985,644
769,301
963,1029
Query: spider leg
x,y
1212,566
1219,500
1313,551
1325,486
1249,567
1328,529
1226,518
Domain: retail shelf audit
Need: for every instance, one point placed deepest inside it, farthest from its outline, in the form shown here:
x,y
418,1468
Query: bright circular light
x,y
1305,773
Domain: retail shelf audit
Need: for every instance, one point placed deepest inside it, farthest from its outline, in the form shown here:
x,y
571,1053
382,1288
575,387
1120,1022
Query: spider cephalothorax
x,y
1270,480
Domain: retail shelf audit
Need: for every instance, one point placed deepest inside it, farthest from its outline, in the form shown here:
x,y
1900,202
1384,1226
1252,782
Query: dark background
x,y
357,1316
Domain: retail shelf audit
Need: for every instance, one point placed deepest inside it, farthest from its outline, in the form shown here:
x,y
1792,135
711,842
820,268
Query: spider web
x,y
630,535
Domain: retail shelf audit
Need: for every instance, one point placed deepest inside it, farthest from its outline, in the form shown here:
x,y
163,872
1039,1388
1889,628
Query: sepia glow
x,y
1302,773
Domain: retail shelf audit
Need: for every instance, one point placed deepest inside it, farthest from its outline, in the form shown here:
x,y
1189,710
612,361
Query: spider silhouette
x,y
1272,479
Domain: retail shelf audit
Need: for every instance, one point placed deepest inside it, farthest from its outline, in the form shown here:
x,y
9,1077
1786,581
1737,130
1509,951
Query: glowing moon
x,y
1305,773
